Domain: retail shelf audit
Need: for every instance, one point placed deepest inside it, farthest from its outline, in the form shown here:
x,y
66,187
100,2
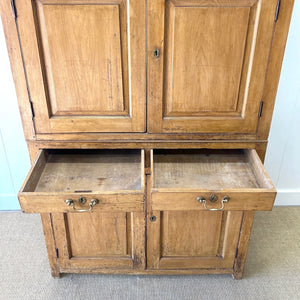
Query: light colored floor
x,y
272,270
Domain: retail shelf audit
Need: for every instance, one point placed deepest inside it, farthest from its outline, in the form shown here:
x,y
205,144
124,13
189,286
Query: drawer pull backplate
x,y
93,202
225,199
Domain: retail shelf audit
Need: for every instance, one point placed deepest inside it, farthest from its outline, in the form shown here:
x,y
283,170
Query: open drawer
x,y
209,180
81,180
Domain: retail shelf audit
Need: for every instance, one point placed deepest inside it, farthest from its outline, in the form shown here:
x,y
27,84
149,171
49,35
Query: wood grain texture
x,y
114,241
184,233
35,171
55,202
148,271
274,68
84,137
115,178
258,169
141,144
184,245
81,104
110,96
261,149
207,62
50,244
99,171
178,179
33,149
251,82
205,169
16,61
262,200
89,235
242,248
83,58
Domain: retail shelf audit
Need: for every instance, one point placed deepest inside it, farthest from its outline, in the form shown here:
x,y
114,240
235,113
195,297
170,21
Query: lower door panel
x,y
192,239
96,240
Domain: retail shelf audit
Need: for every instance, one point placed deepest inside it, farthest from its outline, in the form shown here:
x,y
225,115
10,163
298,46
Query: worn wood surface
x,y
242,248
81,79
95,171
183,240
89,123
96,241
148,144
205,169
55,202
50,244
147,137
115,178
148,271
169,75
262,200
179,178
89,235
278,46
204,56
16,61
83,170
274,67
83,58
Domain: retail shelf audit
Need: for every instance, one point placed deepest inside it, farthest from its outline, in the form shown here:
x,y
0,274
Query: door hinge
x,y
14,9
277,10
260,108
57,254
32,109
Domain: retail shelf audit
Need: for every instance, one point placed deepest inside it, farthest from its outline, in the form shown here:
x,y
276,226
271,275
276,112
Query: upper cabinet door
x,y
209,71
85,64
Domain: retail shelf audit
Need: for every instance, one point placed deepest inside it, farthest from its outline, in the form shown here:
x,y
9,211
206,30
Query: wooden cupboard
x,y
146,123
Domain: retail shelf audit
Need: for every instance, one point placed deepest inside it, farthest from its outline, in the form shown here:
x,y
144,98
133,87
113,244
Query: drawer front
x,y
40,203
226,200
210,180
80,181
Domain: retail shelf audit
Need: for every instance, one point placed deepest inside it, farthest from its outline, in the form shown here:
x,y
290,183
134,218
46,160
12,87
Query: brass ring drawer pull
x,y
225,199
93,202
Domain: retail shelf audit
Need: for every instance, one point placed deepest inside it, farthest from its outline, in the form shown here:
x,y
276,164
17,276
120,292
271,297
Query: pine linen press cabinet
x,y
146,124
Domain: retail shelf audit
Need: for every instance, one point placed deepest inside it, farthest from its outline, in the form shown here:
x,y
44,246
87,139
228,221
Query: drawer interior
x,y
84,171
208,169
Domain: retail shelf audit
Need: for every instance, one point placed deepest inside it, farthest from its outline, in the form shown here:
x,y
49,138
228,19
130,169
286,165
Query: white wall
x,y
282,160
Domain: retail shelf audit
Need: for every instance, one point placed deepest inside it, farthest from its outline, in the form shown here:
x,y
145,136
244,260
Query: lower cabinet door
x,y
195,204
95,240
192,239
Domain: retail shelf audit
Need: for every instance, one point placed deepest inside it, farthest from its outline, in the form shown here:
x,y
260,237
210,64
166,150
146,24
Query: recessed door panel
x,y
83,57
107,234
184,233
209,77
192,239
97,241
203,68
85,64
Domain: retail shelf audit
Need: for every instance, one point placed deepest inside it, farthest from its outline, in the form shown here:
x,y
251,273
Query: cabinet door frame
x,y
228,241
45,122
247,121
134,260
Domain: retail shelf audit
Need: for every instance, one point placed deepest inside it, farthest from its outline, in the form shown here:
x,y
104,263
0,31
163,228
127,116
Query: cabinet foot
x,y
237,275
55,272
50,244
